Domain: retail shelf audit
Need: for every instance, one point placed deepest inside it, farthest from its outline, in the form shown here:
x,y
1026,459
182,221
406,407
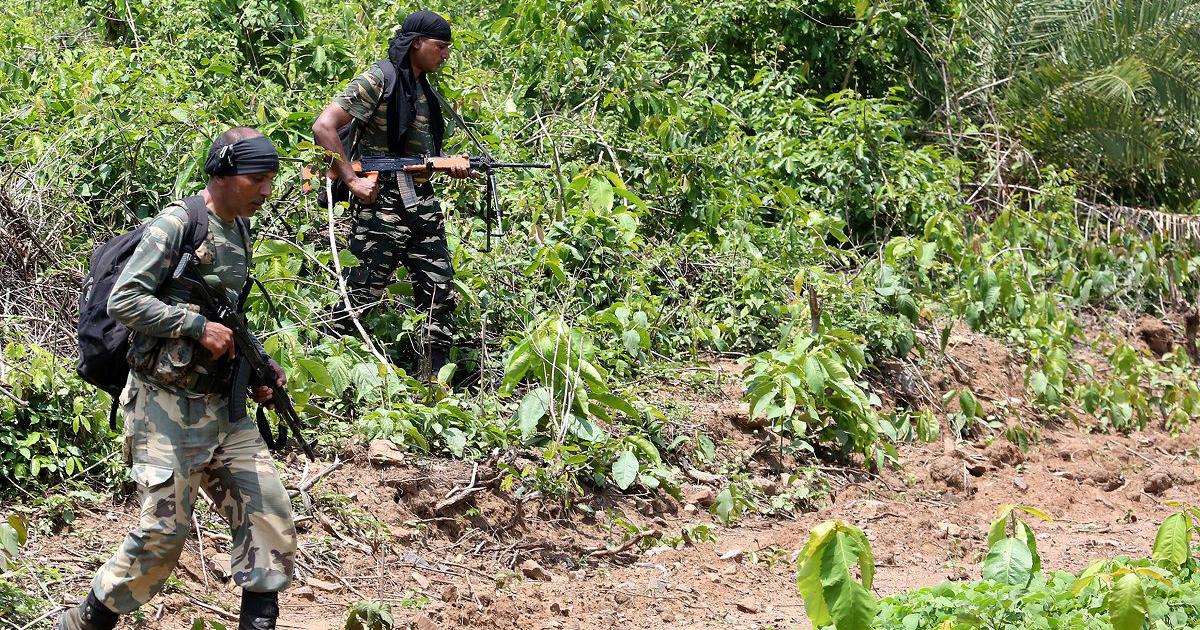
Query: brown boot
x,y
90,614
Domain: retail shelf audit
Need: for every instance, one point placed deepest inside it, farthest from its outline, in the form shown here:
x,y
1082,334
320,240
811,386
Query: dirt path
x,y
488,562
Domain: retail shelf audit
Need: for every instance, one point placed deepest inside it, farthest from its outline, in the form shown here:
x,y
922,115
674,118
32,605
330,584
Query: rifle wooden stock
x,y
419,165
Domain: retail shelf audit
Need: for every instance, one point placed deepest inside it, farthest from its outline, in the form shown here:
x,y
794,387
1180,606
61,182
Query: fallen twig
x,y
602,552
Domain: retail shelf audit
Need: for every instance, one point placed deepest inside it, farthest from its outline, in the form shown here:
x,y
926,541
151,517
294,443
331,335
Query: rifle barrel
x,y
516,165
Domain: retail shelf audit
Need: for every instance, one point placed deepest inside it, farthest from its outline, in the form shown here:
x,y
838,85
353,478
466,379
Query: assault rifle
x,y
493,215
370,166
226,314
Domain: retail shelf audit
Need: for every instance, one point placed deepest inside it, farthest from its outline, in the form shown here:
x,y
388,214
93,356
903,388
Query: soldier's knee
x,y
164,538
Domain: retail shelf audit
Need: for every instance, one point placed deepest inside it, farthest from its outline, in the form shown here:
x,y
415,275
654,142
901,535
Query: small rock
x,y
1158,483
322,585
1019,482
421,580
621,598
578,574
949,530
749,607
385,453
423,622
558,608
220,564
450,593
667,617
700,495
769,487
534,571
950,471
732,554
304,592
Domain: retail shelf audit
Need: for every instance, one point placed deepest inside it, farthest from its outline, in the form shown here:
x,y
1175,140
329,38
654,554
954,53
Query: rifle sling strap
x,y
274,443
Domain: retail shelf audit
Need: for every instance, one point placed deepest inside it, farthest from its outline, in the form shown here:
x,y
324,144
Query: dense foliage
x,y
820,196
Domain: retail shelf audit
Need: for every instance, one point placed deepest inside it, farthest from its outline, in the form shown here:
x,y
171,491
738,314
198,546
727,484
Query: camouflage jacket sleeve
x,y
361,95
133,301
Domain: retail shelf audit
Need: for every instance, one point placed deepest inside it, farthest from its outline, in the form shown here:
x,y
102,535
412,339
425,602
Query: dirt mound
x,y
1157,335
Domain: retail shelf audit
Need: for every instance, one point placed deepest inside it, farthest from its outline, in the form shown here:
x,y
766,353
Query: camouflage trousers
x,y
384,236
178,445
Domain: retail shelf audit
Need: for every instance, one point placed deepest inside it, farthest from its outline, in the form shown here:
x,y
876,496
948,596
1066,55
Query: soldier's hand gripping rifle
x,y
227,314
370,166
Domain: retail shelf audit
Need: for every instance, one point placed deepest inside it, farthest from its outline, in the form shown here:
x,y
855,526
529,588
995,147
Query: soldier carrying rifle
x,y
390,109
186,427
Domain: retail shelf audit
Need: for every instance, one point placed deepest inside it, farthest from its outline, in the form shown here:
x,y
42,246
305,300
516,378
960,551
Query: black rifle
x,y
494,216
226,314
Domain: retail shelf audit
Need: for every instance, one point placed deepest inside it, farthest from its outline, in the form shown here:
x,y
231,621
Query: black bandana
x,y
244,157
417,24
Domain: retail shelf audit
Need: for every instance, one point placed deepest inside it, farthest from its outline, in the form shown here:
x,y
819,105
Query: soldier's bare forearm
x,y
325,132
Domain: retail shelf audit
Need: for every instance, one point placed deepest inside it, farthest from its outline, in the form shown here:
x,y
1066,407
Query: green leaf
x,y
1009,562
317,372
534,406
18,525
625,470
1127,603
600,195
815,375
633,341
851,606
616,402
997,531
723,506
1172,544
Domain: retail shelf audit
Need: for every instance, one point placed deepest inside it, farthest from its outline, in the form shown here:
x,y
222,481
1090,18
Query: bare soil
x,y
448,546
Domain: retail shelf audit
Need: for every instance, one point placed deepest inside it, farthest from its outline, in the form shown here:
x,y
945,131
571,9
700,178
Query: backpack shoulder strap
x,y
196,230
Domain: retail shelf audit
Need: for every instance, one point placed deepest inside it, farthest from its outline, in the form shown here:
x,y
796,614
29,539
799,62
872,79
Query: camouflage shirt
x,y
134,302
359,98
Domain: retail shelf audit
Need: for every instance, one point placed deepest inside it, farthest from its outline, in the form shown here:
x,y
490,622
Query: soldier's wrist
x,y
194,325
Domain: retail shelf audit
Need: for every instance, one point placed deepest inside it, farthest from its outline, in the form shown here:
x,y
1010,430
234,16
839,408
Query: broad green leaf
x,y
534,406
600,195
1127,603
633,341
723,506
851,606
998,530
1009,562
616,402
625,470
18,525
815,375
1172,544
1025,534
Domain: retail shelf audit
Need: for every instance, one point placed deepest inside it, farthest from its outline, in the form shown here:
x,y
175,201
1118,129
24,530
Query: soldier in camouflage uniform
x,y
397,218
181,434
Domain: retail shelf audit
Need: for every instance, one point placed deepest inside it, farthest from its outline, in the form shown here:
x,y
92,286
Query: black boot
x,y
259,611
90,614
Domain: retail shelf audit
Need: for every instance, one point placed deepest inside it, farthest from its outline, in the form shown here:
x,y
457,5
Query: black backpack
x,y
350,135
104,342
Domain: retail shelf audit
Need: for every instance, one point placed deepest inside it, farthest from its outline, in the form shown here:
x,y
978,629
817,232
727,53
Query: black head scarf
x,y
417,24
244,157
